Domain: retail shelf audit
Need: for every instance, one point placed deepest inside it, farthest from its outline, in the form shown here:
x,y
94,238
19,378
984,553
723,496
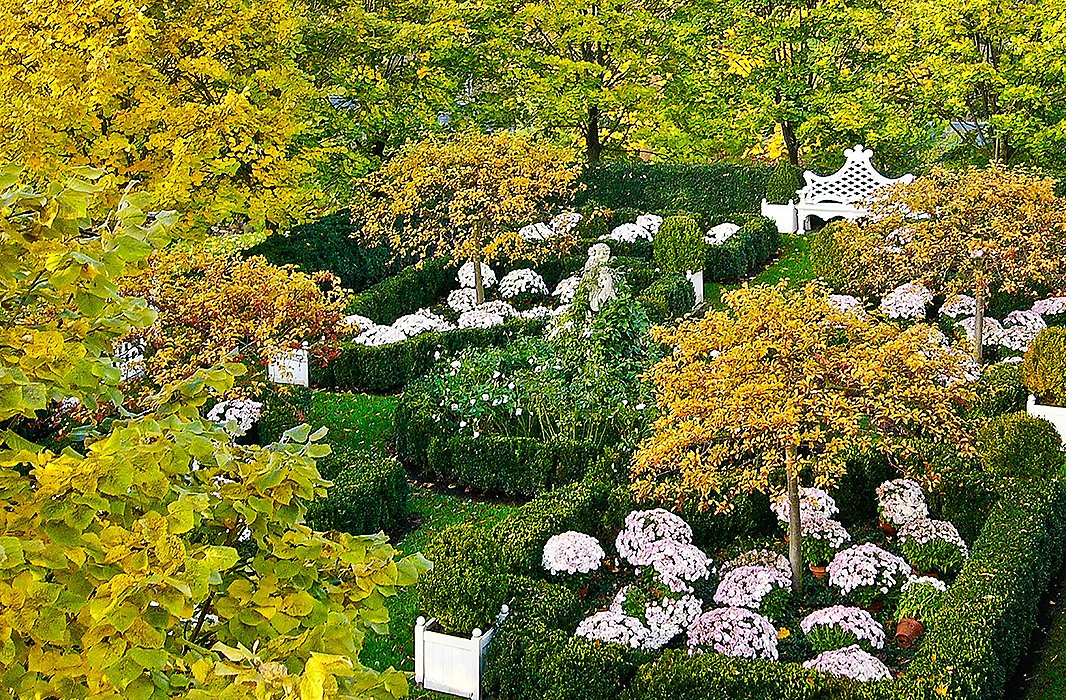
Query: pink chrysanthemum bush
x,y
822,539
842,626
850,662
866,573
813,502
736,632
899,501
644,527
758,588
663,613
933,545
572,553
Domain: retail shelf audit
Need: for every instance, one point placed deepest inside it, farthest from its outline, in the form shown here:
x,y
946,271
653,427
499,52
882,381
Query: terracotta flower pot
x,y
874,607
818,571
907,631
888,528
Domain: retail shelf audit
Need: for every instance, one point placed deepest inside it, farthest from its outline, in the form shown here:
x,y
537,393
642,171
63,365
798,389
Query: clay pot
x,y
888,528
875,607
818,571
907,631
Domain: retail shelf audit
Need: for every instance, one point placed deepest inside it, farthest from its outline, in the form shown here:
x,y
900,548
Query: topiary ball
x,y
1044,367
468,583
1000,390
1018,445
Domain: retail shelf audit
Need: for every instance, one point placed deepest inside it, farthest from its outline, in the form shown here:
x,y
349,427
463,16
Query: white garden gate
x,y
840,195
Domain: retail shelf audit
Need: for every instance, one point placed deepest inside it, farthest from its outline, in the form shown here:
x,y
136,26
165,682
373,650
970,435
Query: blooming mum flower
x,y
466,275
867,571
677,564
615,627
812,502
572,553
479,319
665,617
852,621
461,300
642,527
244,412
523,281
901,500
959,305
749,586
736,632
850,662
908,301
758,557
721,233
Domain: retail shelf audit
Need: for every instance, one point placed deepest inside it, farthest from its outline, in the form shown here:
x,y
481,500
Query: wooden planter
x,y
451,664
1056,415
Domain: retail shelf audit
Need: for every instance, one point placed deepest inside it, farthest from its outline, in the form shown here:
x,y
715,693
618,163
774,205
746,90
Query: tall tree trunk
x,y
593,147
788,135
795,531
479,285
980,292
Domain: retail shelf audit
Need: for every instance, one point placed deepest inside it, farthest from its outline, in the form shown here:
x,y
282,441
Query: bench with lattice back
x,y
840,195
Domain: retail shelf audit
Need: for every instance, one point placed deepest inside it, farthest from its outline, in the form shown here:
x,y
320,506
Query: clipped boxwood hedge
x,y
406,292
369,493
718,191
1019,445
510,465
669,297
748,250
386,369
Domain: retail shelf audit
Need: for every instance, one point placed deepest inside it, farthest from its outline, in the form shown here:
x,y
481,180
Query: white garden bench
x,y
840,195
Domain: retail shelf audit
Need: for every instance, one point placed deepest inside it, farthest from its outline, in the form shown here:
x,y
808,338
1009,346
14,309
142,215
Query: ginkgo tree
x,y
157,559
466,197
979,230
779,387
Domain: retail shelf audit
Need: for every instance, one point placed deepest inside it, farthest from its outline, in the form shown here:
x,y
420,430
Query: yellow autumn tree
x,y
978,231
776,388
466,197
213,308
156,559
200,103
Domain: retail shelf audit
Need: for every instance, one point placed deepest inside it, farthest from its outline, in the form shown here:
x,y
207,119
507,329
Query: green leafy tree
x,y
158,560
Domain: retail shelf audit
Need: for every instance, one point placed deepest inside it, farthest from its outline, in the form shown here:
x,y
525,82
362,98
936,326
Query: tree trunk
x,y
593,147
788,135
979,323
479,285
795,531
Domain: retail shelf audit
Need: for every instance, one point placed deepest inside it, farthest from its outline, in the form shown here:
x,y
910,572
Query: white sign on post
x,y
290,368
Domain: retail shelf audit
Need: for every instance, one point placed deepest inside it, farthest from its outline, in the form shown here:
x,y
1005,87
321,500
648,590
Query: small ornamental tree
x,y
679,246
213,308
159,560
976,231
466,197
777,387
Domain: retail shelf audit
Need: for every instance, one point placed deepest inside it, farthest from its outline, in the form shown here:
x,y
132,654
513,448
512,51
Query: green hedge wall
x,y
750,249
404,293
718,191
369,493
327,244
386,369
509,465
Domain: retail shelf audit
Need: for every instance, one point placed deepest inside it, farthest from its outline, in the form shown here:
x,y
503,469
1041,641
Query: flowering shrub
x,y
461,300
908,301
756,587
422,321
523,281
615,627
848,304
822,538
466,275
758,557
244,412
920,597
565,223
933,545
736,632
572,553
536,232
865,572
959,305
627,233
379,335
567,289
643,527
539,312
499,308
850,662
900,501
1020,329
1051,306
842,626
479,318
990,333
721,233
812,502
665,615
677,564
357,322
650,223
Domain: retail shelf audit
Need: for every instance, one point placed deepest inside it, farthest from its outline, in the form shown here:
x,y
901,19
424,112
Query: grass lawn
x,y
1049,681
793,264
431,511
361,421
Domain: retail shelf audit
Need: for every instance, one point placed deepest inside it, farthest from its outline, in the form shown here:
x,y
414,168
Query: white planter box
x,y
783,214
448,664
290,368
1056,415
696,278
